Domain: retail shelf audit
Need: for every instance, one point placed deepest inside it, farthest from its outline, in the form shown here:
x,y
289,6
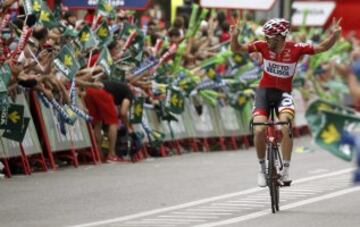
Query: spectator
x,y
89,16
70,18
179,24
225,35
174,36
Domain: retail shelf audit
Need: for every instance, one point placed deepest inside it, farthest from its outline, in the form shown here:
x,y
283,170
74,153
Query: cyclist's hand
x,y
335,28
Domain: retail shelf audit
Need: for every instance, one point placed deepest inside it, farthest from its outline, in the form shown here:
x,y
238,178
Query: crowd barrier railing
x,y
215,129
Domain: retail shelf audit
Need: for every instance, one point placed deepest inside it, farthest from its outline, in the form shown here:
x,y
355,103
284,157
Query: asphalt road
x,y
193,189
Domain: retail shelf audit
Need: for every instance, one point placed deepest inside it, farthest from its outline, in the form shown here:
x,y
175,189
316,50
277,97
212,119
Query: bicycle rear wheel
x,y
272,180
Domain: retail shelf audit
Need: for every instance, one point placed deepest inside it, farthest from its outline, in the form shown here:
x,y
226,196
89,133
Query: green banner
x,y
329,135
313,113
136,111
175,100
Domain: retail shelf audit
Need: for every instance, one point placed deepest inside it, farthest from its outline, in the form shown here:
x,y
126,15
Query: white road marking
x,y
220,210
189,216
221,207
206,212
203,201
297,193
237,205
136,224
285,207
303,190
317,171
171,220
249,201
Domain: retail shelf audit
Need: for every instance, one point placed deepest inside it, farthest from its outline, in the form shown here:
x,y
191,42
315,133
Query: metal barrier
x,y
77,139
29,147
216,125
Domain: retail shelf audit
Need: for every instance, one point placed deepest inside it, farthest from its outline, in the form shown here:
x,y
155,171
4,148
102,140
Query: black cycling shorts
x,y
283,101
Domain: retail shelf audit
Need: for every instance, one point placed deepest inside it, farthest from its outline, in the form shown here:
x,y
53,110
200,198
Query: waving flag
x,y
334,126
47,18
103,34
105,8
87,38
66,62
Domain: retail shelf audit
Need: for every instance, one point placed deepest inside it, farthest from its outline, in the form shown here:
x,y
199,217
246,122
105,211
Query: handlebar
x,y
252,124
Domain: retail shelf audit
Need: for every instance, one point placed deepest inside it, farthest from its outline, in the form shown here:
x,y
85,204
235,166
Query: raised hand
x,y
335,28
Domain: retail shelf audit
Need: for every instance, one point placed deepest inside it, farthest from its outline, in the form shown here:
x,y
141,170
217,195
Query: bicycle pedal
x,y
286,183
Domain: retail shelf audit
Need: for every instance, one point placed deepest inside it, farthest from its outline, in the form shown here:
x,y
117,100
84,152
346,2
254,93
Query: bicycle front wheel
x,y
272,179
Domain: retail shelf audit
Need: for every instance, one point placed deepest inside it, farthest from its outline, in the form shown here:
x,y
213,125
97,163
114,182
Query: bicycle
x,y
275,163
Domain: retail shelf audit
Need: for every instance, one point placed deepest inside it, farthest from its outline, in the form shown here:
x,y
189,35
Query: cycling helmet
x,y
276,26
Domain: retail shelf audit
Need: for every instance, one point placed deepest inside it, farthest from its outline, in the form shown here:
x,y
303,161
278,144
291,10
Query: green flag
x,y
17,134
211,73
36,6
202,17
179,56
3,87
87,38
66,62
105,8
70,32
117,73
136,110
79,55
239,100
209,96
103,34
298,82
329,135
241,58
15,117
303,22
189,83
47,18
217,59
156,138
175,100
192,21
28,7
135,45
105,61
5,73
4,104
314,111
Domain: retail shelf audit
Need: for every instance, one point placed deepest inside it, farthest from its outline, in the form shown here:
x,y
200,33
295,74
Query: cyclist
x,y
279,61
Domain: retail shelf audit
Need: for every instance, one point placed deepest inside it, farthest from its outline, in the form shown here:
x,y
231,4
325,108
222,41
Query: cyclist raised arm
x,y
335,31
236,47
279,59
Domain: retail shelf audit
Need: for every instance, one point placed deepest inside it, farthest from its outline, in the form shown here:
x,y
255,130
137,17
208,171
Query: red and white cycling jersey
x,y
279,68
